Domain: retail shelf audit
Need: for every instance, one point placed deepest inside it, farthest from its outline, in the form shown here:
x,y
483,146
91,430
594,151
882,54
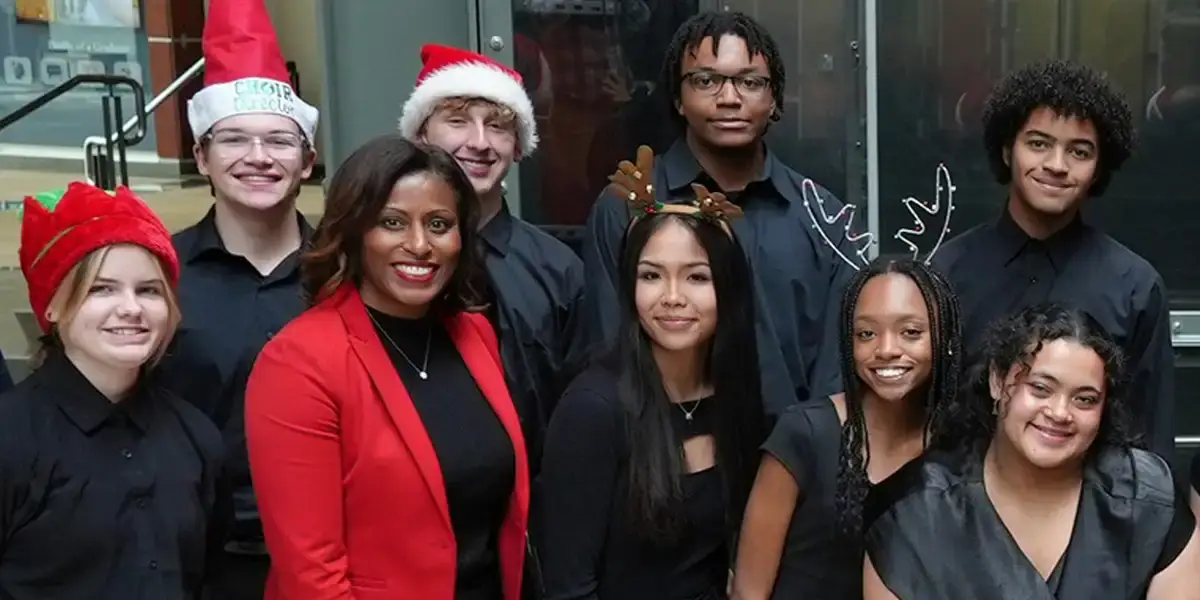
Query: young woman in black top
x,y
900,354
108,483
651,452
1031,488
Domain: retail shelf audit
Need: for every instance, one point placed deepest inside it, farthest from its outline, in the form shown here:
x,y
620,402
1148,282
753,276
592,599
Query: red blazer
x,y
349,488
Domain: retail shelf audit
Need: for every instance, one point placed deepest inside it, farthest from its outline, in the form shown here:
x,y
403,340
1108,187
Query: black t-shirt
x,y
817,562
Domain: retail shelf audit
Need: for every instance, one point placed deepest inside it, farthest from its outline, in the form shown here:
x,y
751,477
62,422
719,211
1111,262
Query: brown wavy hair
x,y
358,194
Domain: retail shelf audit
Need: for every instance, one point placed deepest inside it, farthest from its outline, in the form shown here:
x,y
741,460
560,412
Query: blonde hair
x,y
73,292
502,115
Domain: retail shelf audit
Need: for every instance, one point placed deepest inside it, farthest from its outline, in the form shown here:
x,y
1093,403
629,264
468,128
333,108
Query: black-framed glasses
x,y
747,86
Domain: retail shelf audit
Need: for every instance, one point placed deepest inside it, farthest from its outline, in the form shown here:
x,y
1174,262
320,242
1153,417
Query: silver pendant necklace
x,y
687,414
421,371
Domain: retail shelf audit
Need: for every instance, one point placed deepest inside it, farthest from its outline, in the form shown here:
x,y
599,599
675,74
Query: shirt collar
x,y
682,169
208,239
83,404
497,233
1059,247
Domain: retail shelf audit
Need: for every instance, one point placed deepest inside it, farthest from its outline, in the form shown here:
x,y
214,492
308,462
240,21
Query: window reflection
x,y
938,61
592,67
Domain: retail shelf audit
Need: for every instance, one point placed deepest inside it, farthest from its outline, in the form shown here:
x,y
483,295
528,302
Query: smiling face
x,y
1051,414
726,95
116,311
482,137
411,253
1053,163
675,297
255,161
893,348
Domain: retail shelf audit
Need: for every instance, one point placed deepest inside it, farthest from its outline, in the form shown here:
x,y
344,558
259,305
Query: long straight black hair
x,y
946,342
656,459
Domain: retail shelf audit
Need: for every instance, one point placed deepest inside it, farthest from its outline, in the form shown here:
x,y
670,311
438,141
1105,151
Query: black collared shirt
x,y
103,500
798,282
537,284
230,310
996,270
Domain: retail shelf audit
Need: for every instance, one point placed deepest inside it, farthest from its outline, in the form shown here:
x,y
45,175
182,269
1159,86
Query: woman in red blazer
x,y
386,453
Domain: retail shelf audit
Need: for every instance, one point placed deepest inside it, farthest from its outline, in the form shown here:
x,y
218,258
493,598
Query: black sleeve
x,y
601,247
1181,530
6,381
790,443
580,465
1196,471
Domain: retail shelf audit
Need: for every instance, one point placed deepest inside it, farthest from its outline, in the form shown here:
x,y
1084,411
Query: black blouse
x,y
817,562
938,536
473,449
587,543
104,500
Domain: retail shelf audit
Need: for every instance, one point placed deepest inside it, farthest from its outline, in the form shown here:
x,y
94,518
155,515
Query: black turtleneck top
x,y
473,449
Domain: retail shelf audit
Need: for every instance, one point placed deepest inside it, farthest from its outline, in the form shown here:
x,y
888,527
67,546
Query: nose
x,y
728,95
129,306
416,243
887,348
673,295
478,139
1057,408
1056,162
258,154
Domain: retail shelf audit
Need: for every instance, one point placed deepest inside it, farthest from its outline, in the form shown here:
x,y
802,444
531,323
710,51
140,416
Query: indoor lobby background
x,y
879,94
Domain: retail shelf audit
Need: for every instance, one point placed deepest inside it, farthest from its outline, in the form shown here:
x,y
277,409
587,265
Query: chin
x,y
732,139
128,357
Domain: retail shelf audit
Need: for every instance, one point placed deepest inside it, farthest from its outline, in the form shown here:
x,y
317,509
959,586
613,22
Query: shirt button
x,y
1033,280
141,503
153,565
127,453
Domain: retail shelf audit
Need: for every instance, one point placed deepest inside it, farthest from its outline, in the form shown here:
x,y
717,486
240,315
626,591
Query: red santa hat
x,y
244,70
59,229
454,73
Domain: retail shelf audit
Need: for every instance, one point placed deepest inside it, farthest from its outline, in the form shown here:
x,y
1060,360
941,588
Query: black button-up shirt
x,y
103,500
798,282
996,270
537,285
230,310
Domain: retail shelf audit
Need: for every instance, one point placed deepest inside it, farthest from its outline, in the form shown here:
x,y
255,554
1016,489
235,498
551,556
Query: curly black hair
x,y
1070,90
715,25
946,337
970,423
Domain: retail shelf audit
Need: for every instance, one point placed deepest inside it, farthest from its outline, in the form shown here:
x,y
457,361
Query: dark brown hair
x,y
357,195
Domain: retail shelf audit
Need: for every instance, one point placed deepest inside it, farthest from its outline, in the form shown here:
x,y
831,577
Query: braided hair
x,y
946,338
715,25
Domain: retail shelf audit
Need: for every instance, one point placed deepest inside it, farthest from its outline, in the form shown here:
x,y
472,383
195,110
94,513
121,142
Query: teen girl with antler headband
x,y
651,453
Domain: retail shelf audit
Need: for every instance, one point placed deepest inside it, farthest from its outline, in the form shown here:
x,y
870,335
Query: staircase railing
x,y
98,160
111,106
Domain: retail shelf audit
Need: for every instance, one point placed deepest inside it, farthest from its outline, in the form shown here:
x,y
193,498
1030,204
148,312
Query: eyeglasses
x,y
747,86
236,144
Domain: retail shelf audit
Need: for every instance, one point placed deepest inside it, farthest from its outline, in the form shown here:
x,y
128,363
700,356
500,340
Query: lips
x,y
892,373
258,179
1052,434
674,323
1052,185
730,123
126,331
475,166
419,273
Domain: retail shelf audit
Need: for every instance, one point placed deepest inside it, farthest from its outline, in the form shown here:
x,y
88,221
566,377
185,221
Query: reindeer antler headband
x,y
633,182
814,203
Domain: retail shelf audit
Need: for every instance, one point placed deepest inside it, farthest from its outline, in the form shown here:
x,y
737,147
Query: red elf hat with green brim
x,y
58,229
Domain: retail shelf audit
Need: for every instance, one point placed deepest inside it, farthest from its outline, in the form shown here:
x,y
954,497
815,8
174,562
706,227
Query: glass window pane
x,y
938,60
46,42
593,66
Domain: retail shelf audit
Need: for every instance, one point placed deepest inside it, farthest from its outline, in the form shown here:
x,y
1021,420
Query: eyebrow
x,y
243,131
921,318
751,70
1043,134
650,263
1053,379
155,281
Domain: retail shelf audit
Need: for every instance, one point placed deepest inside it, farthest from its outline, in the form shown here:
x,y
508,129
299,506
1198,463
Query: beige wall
x,y
296,27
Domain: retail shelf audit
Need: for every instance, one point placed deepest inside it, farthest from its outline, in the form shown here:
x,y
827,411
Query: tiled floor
x,y
177,207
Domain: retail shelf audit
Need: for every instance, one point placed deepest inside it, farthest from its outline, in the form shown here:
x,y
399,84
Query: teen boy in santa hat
x,y
478,110
240,264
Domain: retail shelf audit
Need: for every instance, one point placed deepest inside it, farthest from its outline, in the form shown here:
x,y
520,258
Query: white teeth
x,y
126,330
890,373
414,270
